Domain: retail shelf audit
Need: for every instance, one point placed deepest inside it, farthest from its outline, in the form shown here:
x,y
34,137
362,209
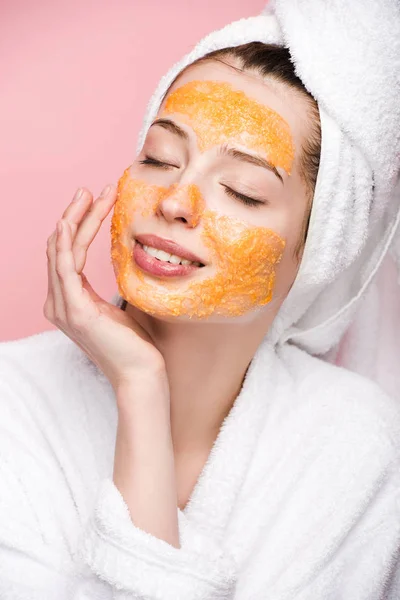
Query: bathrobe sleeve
x,y
147,567
52,545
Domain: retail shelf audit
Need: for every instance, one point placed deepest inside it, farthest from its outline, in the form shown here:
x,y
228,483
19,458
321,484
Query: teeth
x,y
175,260
172,258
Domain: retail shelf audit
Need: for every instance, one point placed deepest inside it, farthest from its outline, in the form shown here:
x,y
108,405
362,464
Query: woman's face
x,y
218,175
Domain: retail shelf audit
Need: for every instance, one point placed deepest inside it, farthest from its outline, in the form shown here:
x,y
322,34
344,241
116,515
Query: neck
x,y
206,365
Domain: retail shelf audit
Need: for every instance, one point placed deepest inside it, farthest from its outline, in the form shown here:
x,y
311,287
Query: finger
x,y
76,299
48,308
56,305
54,308
90,225
78,207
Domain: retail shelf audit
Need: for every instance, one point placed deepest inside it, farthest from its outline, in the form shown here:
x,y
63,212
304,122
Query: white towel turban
x,y
347,54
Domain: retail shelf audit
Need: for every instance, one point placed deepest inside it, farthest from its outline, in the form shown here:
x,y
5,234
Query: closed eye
x,y
245,199
153,162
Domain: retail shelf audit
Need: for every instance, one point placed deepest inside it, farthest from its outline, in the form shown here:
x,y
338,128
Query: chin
x,y
166,315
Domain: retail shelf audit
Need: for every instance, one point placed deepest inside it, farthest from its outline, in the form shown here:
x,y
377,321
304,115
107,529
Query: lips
x,y
168,246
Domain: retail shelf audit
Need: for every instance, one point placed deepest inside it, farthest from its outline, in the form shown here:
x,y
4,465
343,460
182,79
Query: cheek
x,y
246,259
288,268
134,197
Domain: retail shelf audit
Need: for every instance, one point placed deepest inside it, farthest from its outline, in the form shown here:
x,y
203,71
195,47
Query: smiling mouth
x,y
159,267
166,257
167,250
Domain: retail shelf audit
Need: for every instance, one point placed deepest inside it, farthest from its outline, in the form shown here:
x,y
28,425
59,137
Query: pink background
x,y
75,84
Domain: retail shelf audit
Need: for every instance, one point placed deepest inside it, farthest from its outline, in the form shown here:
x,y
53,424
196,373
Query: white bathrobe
x,y
300,496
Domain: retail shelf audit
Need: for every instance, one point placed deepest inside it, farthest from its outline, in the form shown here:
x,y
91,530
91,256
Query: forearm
x,y
144,468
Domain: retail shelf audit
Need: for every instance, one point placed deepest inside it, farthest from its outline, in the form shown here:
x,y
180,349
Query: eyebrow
x,y
249,158
171,126
224,149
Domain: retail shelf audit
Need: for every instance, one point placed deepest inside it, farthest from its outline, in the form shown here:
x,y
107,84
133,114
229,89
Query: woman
x,y
190,446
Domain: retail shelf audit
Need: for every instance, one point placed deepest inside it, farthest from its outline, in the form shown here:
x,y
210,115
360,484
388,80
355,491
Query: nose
x,y
182,203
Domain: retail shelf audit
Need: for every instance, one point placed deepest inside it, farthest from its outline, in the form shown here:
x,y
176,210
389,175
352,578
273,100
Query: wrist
x,y
142,388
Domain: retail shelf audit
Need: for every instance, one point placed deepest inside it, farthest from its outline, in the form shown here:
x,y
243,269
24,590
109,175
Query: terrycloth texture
x,y
299,498
348,56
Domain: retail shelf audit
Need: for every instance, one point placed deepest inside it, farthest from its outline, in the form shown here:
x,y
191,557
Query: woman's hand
x,y
115,342
126,355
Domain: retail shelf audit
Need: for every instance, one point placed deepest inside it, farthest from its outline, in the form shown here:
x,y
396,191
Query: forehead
x,y
269,93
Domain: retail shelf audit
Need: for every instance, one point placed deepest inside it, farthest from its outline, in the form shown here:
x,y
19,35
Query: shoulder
x,y
351,404
50,388
55,439
45,361
39,354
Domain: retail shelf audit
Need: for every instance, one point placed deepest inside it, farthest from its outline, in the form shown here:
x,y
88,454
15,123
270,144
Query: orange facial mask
x,y
240,273
220,114
241,270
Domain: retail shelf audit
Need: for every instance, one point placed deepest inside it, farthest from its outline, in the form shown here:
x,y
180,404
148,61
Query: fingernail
x,y
106,191
78,194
